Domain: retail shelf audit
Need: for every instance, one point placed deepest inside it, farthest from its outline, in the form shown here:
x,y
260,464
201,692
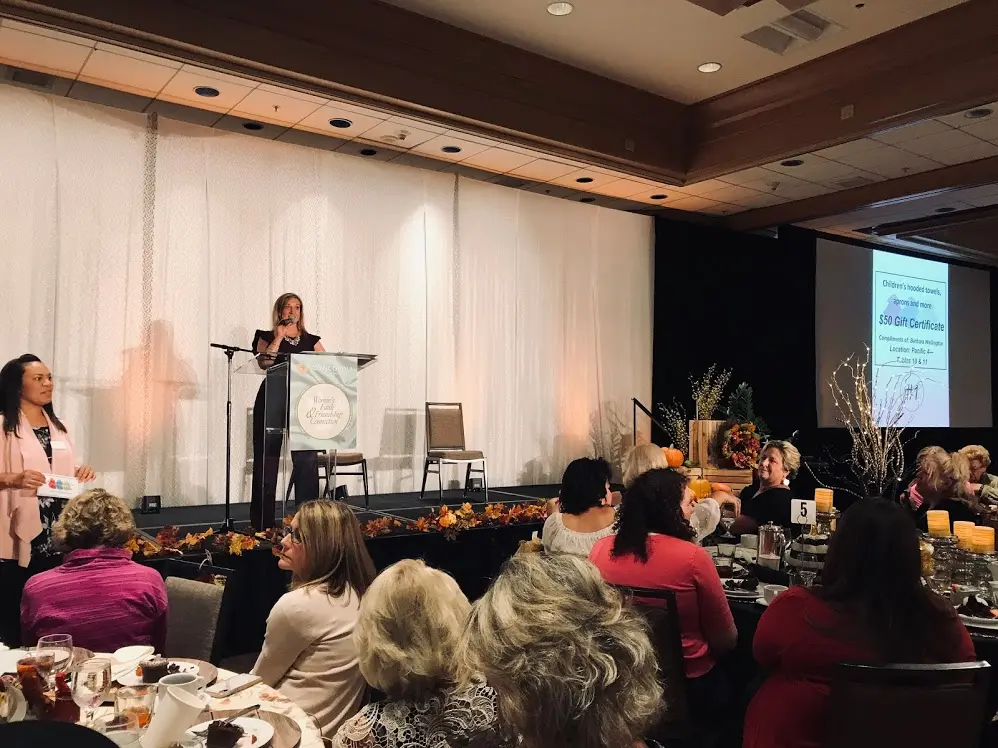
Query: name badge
x,y
59,487
59,444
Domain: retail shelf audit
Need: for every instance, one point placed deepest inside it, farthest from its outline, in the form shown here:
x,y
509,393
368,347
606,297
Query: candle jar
x,y
943,558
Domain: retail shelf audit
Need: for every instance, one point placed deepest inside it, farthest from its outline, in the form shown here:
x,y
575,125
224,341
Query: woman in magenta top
x,y
654,547
871,608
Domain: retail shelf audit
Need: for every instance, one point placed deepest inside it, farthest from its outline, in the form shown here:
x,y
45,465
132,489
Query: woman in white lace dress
x,y
411,621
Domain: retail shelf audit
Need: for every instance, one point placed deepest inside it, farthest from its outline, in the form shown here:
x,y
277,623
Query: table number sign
x,y
803,512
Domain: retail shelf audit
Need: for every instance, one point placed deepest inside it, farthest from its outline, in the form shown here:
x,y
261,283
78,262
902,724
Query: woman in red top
x,y
655,547
872,608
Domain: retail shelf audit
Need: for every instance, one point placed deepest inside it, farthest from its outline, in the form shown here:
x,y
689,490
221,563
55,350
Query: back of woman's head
x,y
873,574
583,485
941,474
653,503
94,518
571,666
410,626
335,554
641,459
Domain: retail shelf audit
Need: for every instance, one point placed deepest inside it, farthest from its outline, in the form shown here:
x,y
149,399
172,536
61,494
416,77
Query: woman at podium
x,y
288,335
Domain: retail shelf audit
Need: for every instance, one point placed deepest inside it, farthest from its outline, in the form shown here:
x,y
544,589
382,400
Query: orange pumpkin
x,y
673,457
720,487
700,488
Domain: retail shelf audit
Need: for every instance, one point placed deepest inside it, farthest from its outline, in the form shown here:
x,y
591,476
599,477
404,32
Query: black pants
x,y
266,461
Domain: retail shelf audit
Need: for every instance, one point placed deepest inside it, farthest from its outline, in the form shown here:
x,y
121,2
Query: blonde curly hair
x,y
94,518
408,632
570,664
941,474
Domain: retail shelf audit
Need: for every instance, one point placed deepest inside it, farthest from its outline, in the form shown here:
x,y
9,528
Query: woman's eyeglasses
x,y
294,534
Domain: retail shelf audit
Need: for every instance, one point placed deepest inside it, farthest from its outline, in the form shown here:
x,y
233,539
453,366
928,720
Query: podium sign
x,y
322,392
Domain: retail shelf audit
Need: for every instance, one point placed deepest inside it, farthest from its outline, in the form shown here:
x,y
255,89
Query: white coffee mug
x,y
185,681
750,541
770,591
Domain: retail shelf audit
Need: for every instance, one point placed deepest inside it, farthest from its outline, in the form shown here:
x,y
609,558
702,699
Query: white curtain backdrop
x,y
130,244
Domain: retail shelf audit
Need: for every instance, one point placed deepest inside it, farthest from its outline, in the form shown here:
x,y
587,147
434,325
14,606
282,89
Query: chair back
x,y
444,426
36,734
659,609
917,706
193,620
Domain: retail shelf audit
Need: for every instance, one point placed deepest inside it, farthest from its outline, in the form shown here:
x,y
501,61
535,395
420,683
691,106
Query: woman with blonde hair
x,y
287,335
571,665
309,653
940,483
408,634
982,484
98,595
769,499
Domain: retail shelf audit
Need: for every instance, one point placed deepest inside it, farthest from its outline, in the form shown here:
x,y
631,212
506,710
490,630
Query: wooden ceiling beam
x,y
971,174
938,65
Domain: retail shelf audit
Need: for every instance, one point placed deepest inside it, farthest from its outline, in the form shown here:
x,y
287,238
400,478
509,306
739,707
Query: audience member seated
x,y
640,460
572,667
871,608
654,547
98,594
940,482
408,635
585,513
768,500
309,653
982,484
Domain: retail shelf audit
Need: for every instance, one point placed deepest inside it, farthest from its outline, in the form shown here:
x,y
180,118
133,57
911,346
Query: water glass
x,y
91,684
137,701
53,654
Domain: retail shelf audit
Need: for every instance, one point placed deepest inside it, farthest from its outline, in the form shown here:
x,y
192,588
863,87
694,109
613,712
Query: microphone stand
x,y
230,350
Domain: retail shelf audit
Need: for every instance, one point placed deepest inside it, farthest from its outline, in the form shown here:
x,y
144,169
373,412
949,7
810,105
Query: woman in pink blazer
x,y
33,441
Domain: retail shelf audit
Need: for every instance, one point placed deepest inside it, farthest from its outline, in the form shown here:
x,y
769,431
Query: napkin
x,y
176,712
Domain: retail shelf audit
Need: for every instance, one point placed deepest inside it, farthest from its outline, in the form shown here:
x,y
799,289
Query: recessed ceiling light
x,y
945,210
340,122
792,162
710,67
658,197
451,149
207,91
560,9
980,113
587,199
368,152
252,126
584,180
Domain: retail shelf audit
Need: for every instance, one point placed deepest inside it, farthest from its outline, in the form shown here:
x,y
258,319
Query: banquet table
x,y
269,699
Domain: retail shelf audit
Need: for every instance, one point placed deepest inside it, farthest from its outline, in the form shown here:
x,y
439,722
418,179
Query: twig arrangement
x,y
708,391
876,428
673,417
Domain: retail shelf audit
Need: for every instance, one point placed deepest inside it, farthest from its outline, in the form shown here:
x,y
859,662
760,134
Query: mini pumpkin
x,y
701,488
720,487
673,456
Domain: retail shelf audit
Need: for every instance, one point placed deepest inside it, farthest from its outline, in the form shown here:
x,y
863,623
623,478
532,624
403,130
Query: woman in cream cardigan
x,y
309,653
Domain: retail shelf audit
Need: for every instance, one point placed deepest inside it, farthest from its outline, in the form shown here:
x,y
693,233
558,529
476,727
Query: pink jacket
x,y
20,521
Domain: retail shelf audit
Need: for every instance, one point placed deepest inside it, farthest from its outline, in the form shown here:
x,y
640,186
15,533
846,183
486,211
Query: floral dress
x,y
49,508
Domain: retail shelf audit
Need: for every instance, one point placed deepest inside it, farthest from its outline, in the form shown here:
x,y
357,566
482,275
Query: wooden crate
x,y
735,478
703,443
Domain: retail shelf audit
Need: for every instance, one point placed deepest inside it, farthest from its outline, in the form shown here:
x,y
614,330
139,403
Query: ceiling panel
x,y
399,135
596,178
267,105
891,162
964,120
938,142
126,73
180,89
622,188
435,147
498,159
985,129
416,124
850,148
43,53
543,170
318,121
972,152
911,132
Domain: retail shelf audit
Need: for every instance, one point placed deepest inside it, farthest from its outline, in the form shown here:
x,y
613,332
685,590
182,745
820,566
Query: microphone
x,y
285,322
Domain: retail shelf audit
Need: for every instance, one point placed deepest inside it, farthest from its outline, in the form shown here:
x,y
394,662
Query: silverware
x,y
227,720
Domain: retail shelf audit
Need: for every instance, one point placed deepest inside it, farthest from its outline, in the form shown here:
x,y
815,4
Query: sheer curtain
x,y
132,243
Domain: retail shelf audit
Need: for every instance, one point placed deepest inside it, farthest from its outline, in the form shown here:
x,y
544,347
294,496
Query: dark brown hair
x,y
653,503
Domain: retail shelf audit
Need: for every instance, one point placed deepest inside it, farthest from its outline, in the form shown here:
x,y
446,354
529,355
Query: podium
x,y
309,404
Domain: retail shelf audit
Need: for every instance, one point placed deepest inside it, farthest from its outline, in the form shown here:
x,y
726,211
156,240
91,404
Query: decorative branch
x,y
876,426
673,417
708,391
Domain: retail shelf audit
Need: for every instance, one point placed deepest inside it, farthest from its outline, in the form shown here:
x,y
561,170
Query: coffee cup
x,y
727,550
750,541
770,591
184,681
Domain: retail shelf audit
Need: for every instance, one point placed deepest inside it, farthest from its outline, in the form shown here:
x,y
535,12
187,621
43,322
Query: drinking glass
x,y
53,654
91,684
121,729
137,701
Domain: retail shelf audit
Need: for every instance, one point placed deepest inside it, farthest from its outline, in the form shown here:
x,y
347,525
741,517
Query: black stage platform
x,y
404,505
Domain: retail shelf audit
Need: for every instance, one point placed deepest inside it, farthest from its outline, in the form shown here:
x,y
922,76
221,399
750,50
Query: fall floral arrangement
x,y
740,445
168,542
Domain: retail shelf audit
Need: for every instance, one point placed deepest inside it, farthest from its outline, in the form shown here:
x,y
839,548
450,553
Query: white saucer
x,y
762,602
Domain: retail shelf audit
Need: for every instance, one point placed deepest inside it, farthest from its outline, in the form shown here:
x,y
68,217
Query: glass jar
x,y
943,562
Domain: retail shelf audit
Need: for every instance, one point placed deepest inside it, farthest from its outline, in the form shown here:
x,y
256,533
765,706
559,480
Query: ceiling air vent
x,y
29,78
791,32
853,182
723,7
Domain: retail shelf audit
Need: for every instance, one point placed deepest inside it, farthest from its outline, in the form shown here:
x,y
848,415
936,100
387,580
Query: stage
x,y
401,505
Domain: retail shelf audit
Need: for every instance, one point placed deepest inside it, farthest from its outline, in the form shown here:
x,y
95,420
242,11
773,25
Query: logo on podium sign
x,y
323,393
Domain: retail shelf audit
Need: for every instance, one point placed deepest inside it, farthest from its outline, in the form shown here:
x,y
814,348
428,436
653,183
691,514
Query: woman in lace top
x,y
585,511
411,620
